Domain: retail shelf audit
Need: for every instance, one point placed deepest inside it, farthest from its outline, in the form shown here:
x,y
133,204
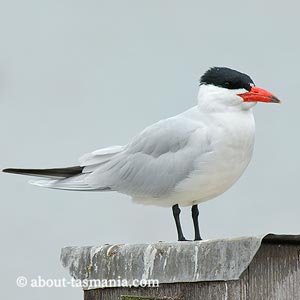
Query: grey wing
x,y
155,161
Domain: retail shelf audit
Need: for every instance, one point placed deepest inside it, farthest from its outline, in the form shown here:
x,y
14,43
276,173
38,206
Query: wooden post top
x,y
208,260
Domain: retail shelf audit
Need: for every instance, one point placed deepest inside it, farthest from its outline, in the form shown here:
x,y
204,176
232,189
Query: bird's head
x,y
223,89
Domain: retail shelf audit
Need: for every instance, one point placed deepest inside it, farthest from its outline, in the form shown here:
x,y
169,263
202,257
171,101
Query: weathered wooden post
x,y
253,268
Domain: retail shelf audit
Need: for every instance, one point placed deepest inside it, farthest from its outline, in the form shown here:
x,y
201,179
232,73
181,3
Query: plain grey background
x,y
80,75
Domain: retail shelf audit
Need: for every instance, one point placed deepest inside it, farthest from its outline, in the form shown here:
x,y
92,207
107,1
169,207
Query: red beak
x,y
259,95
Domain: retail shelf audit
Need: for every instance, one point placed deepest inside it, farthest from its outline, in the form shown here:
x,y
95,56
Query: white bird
x,y
180,161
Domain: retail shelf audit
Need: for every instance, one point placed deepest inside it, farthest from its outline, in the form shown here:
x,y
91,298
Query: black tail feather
x,y
56,172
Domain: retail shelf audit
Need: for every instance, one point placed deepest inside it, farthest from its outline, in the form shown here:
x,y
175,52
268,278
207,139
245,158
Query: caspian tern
x,y
180,161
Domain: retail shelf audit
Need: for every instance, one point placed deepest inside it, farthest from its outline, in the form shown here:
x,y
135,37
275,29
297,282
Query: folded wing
x,y
151,165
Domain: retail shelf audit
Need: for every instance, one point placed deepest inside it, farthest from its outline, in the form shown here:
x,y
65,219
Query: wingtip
x,y
11,171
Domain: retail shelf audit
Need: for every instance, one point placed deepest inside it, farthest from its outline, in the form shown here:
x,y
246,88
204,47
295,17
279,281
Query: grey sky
x,y
80,75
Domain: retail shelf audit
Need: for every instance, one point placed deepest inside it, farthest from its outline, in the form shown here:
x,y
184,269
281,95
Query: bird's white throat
x,y
216,99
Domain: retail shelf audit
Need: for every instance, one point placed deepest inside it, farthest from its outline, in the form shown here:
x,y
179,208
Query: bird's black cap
x,y
227,78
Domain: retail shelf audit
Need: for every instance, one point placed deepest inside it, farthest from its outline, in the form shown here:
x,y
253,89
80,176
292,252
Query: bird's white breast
x,y
232,141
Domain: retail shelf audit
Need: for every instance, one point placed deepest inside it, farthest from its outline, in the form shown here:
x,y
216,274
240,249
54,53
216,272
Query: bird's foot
x,y
183,239
198,236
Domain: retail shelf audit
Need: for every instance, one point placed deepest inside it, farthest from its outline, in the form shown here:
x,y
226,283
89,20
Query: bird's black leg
x,y
176,213
195,214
